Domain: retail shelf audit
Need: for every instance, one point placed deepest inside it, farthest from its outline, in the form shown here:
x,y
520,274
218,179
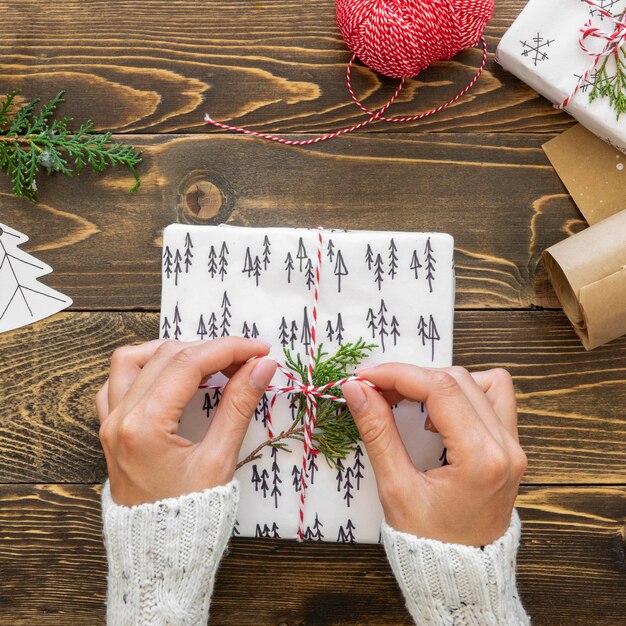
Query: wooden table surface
x,y
148,71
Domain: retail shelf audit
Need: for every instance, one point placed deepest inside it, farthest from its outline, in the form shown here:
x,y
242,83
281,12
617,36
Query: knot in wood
x,y
203,199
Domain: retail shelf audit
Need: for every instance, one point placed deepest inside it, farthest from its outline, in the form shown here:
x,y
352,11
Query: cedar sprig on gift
x,y
335,435
32,141
611,83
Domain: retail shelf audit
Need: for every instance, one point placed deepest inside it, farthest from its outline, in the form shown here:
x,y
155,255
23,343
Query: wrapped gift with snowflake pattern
x,y
393,289
543,49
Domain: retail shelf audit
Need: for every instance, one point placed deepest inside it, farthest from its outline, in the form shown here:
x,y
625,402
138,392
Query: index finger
x,y
449,409
178,381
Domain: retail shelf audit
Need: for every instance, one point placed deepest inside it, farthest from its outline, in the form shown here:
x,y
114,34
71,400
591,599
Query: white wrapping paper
x,y
542,49
393,289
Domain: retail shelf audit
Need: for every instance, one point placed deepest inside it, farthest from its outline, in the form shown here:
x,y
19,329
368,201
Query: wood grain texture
x,y
572,423
496,194
571,566
276,65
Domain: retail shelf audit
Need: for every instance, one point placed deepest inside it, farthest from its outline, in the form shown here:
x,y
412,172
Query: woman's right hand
x,y
468,501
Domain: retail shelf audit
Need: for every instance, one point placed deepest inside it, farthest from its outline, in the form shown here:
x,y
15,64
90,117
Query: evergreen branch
x,y
336,435
609,82
32,141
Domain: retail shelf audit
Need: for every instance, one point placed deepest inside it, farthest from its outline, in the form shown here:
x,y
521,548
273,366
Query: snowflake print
x,y
535,49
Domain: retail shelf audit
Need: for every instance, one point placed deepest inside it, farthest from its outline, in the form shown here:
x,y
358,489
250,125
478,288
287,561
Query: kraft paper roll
x,y
588,273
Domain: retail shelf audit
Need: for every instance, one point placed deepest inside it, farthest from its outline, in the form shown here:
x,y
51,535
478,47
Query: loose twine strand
x,y
378,116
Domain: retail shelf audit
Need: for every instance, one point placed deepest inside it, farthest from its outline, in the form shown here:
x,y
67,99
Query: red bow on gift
x,y
613,42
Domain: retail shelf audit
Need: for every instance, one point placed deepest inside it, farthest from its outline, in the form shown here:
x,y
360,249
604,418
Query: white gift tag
x,y
23,299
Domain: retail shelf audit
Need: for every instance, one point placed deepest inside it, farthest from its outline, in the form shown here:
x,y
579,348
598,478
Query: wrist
x,y
444,581
164,554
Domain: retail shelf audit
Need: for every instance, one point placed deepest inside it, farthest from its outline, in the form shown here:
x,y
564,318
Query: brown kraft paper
x,y
588,273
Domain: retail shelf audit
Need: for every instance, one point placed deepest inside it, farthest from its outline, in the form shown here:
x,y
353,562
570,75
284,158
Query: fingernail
x,y
354,395
265,343
365,366
428,425
262,374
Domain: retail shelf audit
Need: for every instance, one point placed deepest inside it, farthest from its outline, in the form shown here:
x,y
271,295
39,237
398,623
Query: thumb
x,y
241,396
377,425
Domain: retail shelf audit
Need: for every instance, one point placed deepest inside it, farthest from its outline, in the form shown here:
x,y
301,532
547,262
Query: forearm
x,y
163,556
446,584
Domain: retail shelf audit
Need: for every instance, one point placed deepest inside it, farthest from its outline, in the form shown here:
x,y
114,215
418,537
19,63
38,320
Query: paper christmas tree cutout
x,y
24,300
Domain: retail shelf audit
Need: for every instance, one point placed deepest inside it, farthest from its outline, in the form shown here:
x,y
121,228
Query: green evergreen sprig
x,y
611,83
32,141
335,435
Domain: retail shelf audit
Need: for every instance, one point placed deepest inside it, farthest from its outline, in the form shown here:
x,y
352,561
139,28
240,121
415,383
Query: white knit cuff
x,y
163,556
449,584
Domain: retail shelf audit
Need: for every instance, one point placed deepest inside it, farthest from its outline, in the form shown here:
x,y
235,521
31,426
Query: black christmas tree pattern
x,y
289,266
535,48
187,253
212,326
177,321
330,250
312,468
415,264
305,337
393,259
225,316
249,332
276,480
259,480
262,410
165,328
236,531
212,262
177,265
301,254
267,252
168,262
335,332
430,261
22,298
309,275
296,478
314,532
252,267
369,257
358,467
202,331
340,269
379,271
381,326
346,533
223,261
267,532
428,332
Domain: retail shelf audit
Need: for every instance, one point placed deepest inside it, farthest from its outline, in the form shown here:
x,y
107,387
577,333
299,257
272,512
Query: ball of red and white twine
x,y
400,38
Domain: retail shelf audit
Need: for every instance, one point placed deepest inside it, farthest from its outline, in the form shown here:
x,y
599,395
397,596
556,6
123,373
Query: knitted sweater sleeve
x,y
455,585
163,556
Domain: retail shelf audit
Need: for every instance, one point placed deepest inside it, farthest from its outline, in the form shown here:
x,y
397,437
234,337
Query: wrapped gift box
x,y
542,48
394,289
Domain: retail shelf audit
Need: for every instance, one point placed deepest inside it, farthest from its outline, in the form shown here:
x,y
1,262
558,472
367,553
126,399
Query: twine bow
x,y
613,42
310,391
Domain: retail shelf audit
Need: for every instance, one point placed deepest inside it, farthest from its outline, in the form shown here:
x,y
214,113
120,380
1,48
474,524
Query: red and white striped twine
x,y
378,116
614,41
308,389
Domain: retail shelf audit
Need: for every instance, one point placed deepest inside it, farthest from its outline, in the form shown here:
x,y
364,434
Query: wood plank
x,y
277,65
571,565
571,402
104,243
